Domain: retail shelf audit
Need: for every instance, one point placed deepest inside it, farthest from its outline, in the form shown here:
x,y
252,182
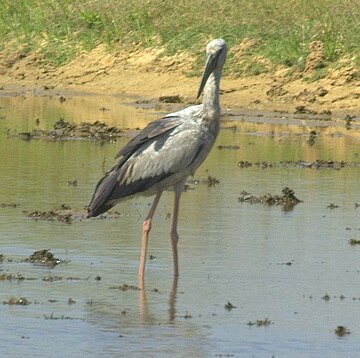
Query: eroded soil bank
x,y
149,74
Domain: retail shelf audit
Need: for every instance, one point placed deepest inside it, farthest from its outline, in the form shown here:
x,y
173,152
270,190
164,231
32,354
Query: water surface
x,y
295,268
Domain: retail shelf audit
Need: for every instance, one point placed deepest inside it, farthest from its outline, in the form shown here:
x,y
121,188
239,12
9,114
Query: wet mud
x,y
229,306
342,331
68,215
43,258
209,181
260,323
125,287
62,213
21,301
286,199
301,164
63,130
354,242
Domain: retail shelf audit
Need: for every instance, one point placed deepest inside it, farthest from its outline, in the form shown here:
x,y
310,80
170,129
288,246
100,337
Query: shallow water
x,y
267,262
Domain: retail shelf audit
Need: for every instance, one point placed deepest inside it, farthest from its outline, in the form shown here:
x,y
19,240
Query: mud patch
x,y
228,147
62,317
229,306
210,181
301,164
43,258
125,287
9,205
354,242
22,301
63,130
11,277
341,331
287,199
260,323
62,213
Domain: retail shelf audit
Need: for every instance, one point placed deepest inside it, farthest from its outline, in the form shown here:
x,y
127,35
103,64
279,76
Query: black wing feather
x,y
108,189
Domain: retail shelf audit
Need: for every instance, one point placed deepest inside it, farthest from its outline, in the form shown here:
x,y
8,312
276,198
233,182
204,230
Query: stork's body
x,y
165,153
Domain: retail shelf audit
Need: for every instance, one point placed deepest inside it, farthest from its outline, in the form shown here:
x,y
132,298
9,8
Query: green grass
x,y
61,28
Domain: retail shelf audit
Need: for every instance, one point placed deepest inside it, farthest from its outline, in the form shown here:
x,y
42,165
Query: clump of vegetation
x,y
43,257
260,323
125,287
11,277
64,130
354,242
59,29
341,331
22,301
229,306
51,215
287,199
209,181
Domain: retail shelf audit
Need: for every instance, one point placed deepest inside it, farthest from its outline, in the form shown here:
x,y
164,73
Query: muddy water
x,y
294,268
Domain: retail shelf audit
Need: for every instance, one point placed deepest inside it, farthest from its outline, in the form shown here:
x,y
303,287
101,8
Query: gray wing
x,y
109,189
152,130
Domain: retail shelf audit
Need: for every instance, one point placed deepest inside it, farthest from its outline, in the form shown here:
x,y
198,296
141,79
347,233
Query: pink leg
x,y
174,234
145,234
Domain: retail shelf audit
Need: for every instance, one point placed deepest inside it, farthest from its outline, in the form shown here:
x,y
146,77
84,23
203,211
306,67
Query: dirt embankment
x,y
151,74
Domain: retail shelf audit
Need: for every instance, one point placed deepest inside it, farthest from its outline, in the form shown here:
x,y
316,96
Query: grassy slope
x,y
60,28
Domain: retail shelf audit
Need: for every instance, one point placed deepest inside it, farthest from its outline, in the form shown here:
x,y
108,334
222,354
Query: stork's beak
x,y
210,66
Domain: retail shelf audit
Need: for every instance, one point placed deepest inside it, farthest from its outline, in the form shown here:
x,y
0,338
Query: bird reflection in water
x,y
145,314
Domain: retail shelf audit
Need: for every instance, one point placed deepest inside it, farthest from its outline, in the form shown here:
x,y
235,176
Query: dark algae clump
x,y
43,257
287,199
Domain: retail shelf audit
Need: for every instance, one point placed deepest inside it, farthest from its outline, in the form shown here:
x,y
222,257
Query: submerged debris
x,y
43,257
348,121
22,301
51,278
229,306
301,164
354,242
11,277
9,205
312,137
63,213
66,214
53,317
229,147
73,183
50,215
64,130
288,199
187,315
125,287
341,331
260,323
209,181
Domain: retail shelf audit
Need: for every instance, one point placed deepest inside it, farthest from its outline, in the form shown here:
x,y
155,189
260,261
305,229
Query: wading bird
x,y
165,153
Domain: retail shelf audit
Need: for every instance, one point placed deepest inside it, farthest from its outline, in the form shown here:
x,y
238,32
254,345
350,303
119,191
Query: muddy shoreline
x,y
303,120
149,77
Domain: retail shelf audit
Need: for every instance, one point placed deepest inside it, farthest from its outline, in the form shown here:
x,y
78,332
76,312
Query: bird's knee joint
x,y
147,225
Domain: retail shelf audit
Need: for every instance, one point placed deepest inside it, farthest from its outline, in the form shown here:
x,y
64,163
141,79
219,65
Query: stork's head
x,y
216,56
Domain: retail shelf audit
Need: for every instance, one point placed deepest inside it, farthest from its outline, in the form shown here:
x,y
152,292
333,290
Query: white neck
x,y
211,92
